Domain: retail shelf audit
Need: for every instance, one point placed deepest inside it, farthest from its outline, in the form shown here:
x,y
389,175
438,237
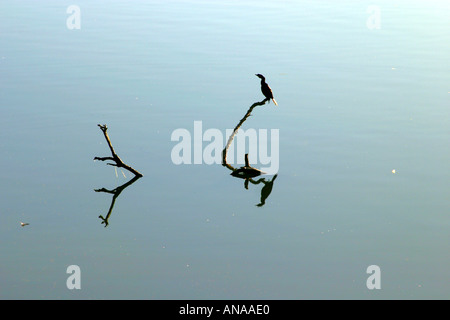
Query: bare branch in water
x,y
230,139
117,161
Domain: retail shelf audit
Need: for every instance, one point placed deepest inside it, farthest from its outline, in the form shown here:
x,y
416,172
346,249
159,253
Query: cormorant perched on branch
x,y
265,89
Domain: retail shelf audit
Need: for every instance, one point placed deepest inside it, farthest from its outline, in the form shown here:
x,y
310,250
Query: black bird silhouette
x,y
265,89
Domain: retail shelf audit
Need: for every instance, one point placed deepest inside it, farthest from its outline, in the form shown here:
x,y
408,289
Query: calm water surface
x,y
363,120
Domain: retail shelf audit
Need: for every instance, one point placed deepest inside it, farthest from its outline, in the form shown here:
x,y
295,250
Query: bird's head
x,y
260,76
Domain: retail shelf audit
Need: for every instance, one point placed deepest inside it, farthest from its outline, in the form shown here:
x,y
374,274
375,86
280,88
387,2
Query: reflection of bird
x,y
23,224
266,190
265,89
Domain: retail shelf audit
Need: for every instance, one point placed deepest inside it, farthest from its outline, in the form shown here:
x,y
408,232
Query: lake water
x,y
363,92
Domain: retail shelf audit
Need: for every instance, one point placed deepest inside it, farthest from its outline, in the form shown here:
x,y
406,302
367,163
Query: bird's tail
x,y
274,102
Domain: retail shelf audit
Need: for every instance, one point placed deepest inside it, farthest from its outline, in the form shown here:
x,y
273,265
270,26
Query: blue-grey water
x,y
363,92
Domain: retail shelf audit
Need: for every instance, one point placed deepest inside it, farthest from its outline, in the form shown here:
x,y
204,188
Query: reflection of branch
x,y
115,192
115,157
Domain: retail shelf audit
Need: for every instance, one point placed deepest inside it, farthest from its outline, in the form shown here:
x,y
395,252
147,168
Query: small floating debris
x,y
23,224
246,172
393,171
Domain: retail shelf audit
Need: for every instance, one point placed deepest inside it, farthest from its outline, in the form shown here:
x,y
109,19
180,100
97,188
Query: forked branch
x,y
117,161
